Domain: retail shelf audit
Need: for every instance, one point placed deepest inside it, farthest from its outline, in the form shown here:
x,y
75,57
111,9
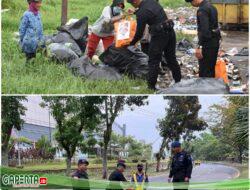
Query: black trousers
x,y
159,44
208,62
29,56
176,181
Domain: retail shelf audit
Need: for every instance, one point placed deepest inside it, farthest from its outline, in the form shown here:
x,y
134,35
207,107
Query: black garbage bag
x,y
131,62
61,53
78,31
184,45
65,38
197,86
83,67
243,52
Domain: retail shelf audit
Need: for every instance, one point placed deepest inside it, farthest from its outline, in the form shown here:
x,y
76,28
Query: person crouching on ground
x,y
103,28
31,30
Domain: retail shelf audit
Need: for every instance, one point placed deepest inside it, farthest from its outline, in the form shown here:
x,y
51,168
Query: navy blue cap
x,y
83,161
175,144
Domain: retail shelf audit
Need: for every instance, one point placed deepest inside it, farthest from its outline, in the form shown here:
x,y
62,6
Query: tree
x,y
181,120
113,105
12,111
230,122
207,147
74,116
45,149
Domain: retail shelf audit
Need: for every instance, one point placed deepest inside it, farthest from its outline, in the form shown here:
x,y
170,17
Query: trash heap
x,y
184,19
68,47
190,69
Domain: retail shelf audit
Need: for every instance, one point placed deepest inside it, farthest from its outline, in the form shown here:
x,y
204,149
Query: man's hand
x,y
186,179
169,180
198,53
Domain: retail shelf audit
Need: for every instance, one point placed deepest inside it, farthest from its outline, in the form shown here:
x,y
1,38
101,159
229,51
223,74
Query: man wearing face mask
x,y
181,165
103,28
163,38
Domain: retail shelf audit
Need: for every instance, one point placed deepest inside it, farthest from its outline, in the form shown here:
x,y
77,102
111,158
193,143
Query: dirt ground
x,y
239,40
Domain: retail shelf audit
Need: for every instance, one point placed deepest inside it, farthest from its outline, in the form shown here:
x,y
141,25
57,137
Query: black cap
x,y
121,163
140,166
188,1
83,161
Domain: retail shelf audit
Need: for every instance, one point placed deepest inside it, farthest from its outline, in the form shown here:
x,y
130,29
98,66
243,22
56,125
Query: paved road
x,y
206,173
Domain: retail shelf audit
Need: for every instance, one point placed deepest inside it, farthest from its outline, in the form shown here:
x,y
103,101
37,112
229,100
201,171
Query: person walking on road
x,y
181,165
163,38
209,37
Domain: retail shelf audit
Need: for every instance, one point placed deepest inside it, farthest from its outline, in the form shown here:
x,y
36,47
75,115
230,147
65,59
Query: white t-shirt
x,y
103,26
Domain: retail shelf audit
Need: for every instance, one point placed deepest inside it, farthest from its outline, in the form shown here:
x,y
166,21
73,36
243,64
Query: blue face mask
x,y
117,10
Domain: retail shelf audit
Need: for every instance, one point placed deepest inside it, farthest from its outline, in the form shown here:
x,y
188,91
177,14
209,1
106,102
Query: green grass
x,y
47,77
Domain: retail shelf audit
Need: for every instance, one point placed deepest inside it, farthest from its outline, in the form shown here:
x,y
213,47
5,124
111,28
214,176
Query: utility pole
x,y
64,13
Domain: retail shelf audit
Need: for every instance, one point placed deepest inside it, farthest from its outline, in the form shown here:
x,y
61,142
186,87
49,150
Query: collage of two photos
x,y
125,94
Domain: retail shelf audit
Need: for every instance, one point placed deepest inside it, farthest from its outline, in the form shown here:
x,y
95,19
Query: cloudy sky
x,y
141,123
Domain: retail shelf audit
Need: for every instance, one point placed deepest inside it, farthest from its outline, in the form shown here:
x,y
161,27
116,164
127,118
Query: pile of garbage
x,y
68,47
190,70
184,19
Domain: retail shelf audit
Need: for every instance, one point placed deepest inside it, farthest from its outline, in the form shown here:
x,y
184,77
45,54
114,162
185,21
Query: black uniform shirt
x,y
207,20
150,12
80,174
117,176
181,166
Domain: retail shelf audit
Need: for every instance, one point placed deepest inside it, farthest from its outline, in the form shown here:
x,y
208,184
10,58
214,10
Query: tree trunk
x,y
68,162
104,162
163,145
64,13
158,164
240,155
5,160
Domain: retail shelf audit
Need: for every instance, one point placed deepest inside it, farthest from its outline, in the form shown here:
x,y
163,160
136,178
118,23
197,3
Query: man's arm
x,y
189,167
141,25
171,169
204,25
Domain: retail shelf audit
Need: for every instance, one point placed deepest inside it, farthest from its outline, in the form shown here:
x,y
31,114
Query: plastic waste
x,y
124,32
184,45
220,70
83,67
61,53
78,31
64,38
197,86
132,62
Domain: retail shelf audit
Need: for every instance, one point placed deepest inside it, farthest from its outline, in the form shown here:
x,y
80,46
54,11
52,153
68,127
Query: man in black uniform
x,y
117,175
209,37
81,173
163,38
181,166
